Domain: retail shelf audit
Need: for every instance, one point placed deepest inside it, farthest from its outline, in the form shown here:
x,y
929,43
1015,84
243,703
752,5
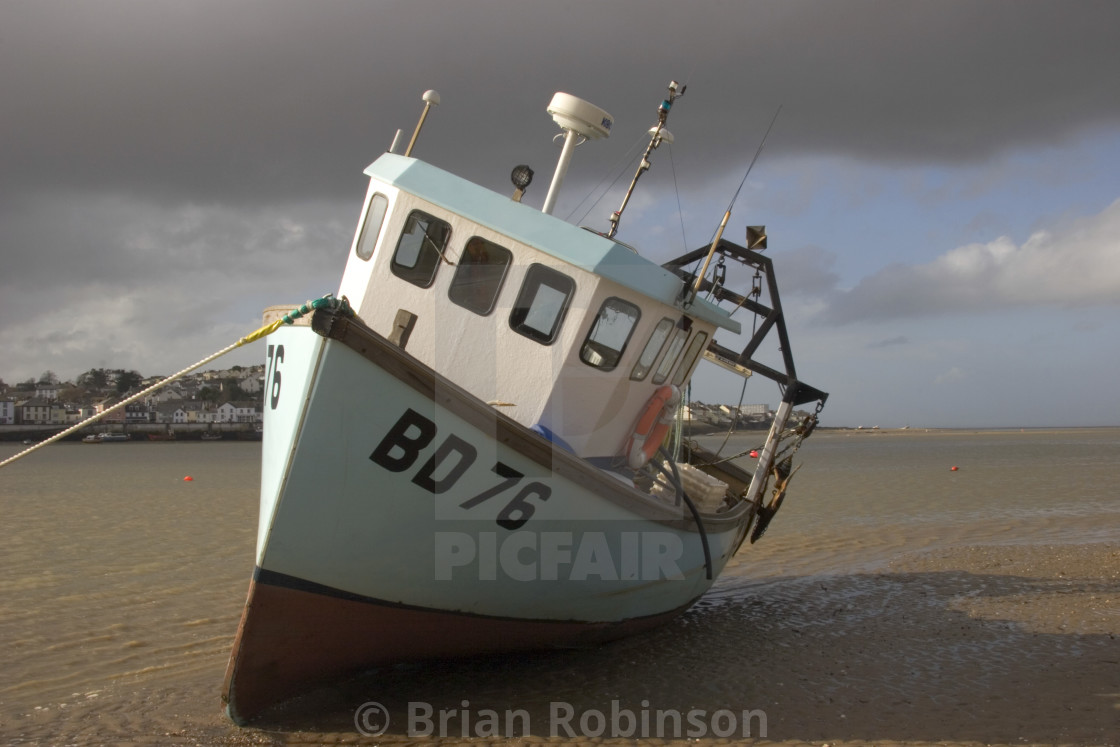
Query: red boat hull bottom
x,y
294,635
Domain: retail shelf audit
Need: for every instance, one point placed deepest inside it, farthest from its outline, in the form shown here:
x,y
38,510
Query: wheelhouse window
x,y
653,346
676,343
542,303
479,274
371,227
694,349
609,334
420,248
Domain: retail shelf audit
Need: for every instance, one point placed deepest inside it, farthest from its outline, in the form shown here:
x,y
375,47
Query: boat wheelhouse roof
x,y
584,249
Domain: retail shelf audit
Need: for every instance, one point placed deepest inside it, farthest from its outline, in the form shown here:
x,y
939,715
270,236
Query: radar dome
x,y
579,116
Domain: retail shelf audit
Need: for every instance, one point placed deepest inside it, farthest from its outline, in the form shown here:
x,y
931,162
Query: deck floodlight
x,y
522,177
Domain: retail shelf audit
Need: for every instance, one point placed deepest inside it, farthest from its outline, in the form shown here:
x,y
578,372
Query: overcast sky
x,y
941,187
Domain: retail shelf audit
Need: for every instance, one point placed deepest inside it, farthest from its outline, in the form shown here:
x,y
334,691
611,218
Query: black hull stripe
x,y
285,581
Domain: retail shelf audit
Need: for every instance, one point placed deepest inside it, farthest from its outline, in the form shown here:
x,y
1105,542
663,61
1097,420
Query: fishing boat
x,y
211,436
467,450
108,437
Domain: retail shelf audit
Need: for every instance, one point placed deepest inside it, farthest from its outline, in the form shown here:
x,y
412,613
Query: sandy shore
x,y
994,645
965,642
914,431
999,645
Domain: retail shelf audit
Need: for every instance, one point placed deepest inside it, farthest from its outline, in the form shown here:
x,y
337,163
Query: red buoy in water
x,y
188,478
953,468
754,454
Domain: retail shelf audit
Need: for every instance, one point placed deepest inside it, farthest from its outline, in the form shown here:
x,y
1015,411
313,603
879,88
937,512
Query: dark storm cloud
x,y
254,101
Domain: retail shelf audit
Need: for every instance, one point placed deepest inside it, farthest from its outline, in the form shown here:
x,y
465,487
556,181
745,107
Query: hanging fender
x,y
652,426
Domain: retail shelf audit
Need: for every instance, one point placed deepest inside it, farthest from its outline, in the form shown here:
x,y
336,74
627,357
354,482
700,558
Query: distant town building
x,y
137,412
192,412
116,416
754,409
46,391
238,412
34,411
252,384
166,394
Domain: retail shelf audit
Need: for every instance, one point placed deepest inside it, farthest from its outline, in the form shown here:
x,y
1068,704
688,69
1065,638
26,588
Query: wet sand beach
x,y
945,620
972,646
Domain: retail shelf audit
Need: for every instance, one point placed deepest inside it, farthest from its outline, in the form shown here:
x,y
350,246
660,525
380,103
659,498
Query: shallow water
x,y
117,576
121,585
862,497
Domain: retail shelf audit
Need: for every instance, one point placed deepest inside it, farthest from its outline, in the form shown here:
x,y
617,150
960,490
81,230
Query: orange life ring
x,y
652,426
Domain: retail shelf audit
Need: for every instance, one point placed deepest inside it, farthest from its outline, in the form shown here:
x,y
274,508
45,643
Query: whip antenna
x,y
727,215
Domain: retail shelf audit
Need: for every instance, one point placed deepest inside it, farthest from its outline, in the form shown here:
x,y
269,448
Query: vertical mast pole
x,y
561,171
431,98
727,215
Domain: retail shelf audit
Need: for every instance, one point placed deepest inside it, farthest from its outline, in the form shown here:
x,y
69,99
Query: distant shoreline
x,y
138,431
706,429
235,431
960,431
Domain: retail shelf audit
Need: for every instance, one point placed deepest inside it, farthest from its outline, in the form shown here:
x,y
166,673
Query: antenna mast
x,y
657,135
727,214
431,98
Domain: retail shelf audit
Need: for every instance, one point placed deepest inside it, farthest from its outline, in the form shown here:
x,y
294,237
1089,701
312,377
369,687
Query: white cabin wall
x,y
595,411
479,353
529,370
356,275
385,293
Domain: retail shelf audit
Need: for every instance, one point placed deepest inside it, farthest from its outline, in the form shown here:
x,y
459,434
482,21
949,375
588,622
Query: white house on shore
x,y
238,412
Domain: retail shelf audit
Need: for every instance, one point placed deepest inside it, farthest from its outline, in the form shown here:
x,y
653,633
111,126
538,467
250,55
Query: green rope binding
x,y
342,305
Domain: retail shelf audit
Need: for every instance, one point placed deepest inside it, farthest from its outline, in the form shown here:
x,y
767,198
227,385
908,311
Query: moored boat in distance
x,y
468,455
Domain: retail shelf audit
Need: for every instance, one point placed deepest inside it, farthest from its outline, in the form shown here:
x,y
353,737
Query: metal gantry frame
x,y
795,391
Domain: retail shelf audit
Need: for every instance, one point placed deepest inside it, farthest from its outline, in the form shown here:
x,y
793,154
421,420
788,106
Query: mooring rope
x,y
326,302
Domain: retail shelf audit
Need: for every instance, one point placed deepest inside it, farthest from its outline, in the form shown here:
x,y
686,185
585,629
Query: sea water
x,y
122,582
